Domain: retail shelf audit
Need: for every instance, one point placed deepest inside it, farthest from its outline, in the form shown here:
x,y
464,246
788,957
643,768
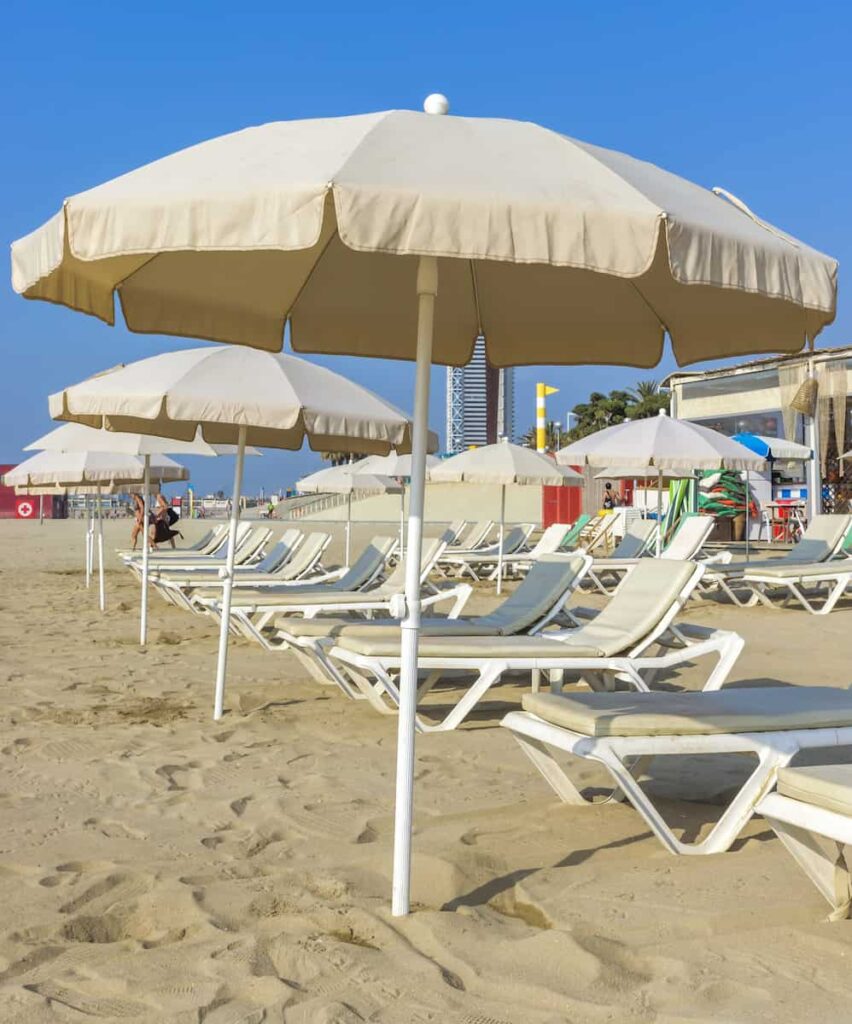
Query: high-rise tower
x,y
480,402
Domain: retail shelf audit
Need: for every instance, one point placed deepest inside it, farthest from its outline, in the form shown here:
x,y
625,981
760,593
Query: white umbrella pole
x,y
41,510
427,289
146,489
101,587
88,542
500,546
659,514
225,625
348,528
402,524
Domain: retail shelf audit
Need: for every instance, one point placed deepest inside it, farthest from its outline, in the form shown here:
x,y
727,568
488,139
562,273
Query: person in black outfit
x,y
161,521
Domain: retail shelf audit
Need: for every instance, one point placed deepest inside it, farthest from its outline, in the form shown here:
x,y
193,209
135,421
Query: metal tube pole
x,y
427,290
348,528
225,624
659,513
88,537
41,510
146,543
402,523
101,585
747,510
500,545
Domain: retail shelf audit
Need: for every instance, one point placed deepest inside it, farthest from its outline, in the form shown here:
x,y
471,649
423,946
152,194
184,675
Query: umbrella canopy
x,y
69,469
231,238
666,444
393,464
635,473
280,402
342,480
774,447
503,463
76,437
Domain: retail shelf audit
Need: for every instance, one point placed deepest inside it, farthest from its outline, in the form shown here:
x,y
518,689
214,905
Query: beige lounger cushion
x,y
828,786
752,709
795,572
821,538
543,586
474,648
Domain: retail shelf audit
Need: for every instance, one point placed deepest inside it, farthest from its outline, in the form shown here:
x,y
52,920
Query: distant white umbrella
x,y
236,395
347,478
667,445
91,472
399,466
504,464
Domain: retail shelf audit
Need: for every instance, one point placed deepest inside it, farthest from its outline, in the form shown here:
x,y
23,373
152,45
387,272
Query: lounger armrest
x,y
459,594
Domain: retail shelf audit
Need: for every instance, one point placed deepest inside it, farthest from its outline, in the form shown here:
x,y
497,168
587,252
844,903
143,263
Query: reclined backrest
x,y
635,539
822,538
547,581
638,605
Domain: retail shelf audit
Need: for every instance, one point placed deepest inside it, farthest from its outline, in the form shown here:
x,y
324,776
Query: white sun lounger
x,y
613,647
548,543
606,573
473,562
249,545
206,544
821,542
476,536
615,729
217,545
811,813
532,606
336,600
276,557
817,588
305,566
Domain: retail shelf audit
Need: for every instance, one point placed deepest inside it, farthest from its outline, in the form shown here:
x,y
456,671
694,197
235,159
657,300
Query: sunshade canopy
x,y
636,473
584,253
76,437
69,469
503,463
662,443
281,400
774,447
346,479
392,465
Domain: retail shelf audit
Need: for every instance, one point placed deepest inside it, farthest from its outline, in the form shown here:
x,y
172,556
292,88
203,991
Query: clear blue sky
x,y
753,97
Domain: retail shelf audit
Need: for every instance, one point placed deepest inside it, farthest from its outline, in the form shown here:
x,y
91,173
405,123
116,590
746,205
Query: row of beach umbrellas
x,y
409,235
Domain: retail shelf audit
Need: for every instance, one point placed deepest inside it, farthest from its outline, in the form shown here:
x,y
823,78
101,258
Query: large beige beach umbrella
x,y
92,473
235,395
665,445
504,464
552,249
347,479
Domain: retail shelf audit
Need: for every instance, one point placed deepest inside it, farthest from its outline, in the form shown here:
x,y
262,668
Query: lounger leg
x,y
540,755
729,825
487,677
823,862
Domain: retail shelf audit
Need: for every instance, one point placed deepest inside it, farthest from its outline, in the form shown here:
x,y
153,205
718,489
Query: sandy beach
x,y
158,867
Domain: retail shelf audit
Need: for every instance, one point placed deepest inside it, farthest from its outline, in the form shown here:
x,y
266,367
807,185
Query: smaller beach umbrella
x,y
399,466
504,464
89,473
347,478
772,448
241,396
668,445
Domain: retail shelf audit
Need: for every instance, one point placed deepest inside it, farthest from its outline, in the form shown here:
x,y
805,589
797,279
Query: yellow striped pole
x,y
541,393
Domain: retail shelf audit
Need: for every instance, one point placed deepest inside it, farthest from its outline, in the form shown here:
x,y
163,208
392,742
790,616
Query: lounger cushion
x,y
382,629
752,709
796,571
828,786
476,649
819,542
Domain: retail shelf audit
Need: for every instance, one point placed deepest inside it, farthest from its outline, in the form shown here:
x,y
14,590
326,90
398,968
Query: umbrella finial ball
x,y
436,103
